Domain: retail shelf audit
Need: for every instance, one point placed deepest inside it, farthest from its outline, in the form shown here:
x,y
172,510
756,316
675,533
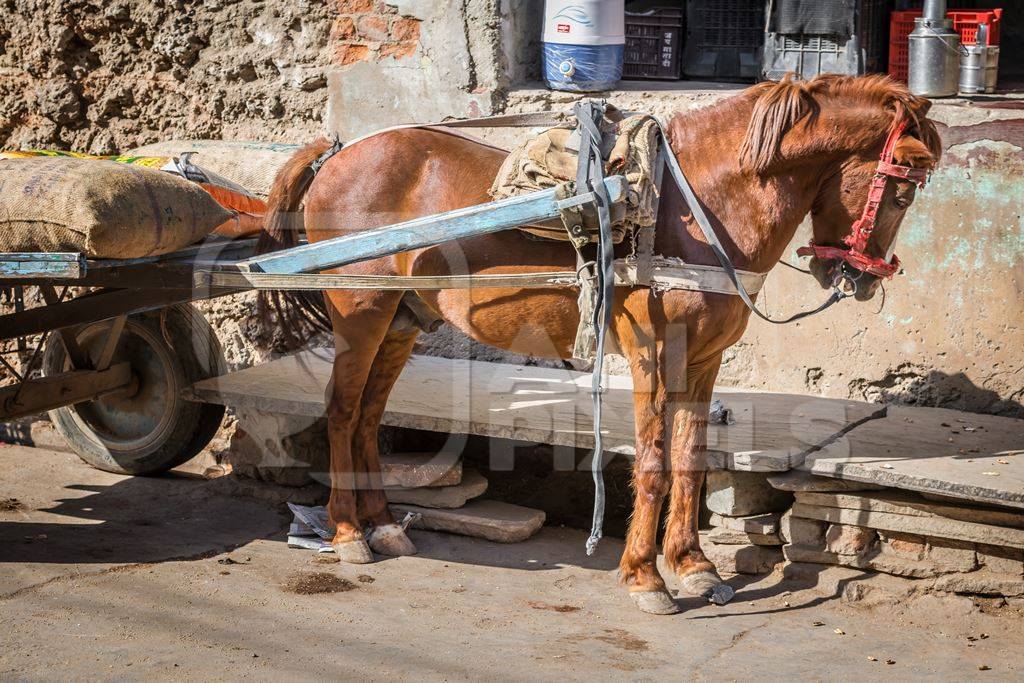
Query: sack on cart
x,y
253,165
101,208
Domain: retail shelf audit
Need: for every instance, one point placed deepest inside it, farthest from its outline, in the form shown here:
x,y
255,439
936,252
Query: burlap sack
x,y
102,209
252,165
544,161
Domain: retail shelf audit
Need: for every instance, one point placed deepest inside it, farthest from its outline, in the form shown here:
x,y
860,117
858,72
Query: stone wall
x,y
104,76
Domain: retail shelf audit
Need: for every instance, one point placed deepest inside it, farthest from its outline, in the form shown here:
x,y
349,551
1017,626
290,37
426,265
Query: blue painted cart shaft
x,y
423,232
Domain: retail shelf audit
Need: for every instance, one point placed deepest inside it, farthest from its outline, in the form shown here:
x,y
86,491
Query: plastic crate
x,y
809,55
724,39
965,22
654,44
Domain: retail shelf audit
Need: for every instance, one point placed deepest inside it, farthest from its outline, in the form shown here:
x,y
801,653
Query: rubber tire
x,y
189,352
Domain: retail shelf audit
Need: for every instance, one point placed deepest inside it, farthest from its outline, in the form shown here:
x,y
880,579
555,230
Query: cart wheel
x,y
147,427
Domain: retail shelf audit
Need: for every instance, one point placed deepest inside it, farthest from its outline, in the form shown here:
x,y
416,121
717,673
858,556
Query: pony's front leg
x,y
688,449
638,567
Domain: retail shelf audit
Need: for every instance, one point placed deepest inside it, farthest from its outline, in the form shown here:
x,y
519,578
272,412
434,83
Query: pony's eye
x,y
901,202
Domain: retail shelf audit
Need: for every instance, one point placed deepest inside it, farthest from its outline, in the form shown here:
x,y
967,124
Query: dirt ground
x,y
108,577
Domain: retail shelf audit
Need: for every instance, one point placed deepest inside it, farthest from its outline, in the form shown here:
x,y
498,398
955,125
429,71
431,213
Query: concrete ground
x,y
108,577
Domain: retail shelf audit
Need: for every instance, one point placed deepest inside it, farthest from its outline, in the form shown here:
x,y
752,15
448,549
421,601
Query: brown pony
x,y
759,162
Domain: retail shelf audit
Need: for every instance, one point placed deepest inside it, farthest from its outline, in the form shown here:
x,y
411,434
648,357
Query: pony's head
x,y
848,123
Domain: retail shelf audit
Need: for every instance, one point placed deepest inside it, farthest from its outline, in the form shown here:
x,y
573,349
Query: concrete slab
x,y
541,405
946,452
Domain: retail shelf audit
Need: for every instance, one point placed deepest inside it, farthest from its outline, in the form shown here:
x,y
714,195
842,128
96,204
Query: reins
x,y
719,251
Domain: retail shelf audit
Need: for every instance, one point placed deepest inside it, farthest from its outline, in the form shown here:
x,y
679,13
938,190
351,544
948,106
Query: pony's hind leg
x,y
386,537
360,320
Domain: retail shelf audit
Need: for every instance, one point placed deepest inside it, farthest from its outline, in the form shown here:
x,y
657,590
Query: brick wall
x,y
366,30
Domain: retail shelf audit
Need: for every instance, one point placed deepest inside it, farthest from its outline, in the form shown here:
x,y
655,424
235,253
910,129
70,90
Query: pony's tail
x,y
297,314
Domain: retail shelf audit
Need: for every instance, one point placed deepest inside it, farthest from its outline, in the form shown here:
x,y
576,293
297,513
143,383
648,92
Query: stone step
x,y
488,519
740,494
473,485
797,480
753,524
741,559
724,536
905,503
954,569
415,470
938,527
969,456
771,431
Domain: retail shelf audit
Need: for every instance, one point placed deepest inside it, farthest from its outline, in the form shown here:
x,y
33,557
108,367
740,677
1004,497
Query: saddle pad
x,y
545,161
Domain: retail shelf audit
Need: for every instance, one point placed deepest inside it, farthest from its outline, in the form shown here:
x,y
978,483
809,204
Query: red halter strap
x,y
862,228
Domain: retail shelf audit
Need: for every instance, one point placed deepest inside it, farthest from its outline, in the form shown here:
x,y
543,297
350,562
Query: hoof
x,y
390,539
354,552
707,585
654,602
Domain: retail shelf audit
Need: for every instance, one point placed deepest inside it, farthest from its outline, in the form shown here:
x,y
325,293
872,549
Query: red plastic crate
x,y
965,22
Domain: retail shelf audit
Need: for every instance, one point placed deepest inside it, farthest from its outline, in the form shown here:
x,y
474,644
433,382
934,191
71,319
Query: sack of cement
x,y
252,165
102,209
248,209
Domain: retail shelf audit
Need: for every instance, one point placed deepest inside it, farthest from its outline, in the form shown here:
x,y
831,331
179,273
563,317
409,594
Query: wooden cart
x,y
114,343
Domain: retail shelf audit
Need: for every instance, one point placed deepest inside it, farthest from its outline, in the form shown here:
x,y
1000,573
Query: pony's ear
x,y
920,106
910,151
779,106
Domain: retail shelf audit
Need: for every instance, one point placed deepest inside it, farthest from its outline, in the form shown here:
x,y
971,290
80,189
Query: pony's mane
x,y
778,107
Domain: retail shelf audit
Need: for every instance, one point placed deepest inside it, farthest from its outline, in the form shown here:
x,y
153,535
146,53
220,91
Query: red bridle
x,y
861,231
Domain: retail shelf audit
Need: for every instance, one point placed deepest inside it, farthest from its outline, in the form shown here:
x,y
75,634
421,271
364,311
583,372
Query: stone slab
x,y
741,559
912,524
542,405
754,524
723,536
487,519
805,532
946,452
897,565
739,494
846,539
473,485
981,583
413,470
798,480
906,503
